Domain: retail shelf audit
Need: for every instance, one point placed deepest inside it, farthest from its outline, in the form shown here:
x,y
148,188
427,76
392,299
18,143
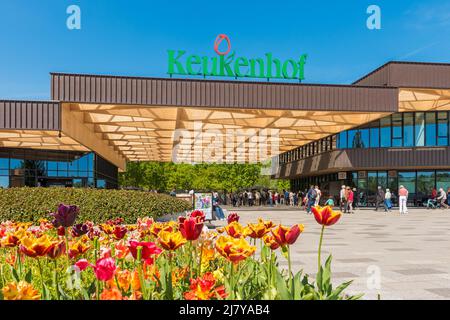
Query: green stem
x,y
19,263
291,279
55,279
319,262
200,260
141,272
169,281
42,277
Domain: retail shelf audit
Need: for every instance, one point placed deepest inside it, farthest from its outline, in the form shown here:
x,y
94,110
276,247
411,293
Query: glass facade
x,y
46,168
419,183
409,129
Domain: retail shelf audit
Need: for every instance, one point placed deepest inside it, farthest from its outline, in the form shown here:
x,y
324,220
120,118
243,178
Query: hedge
x,y
32,204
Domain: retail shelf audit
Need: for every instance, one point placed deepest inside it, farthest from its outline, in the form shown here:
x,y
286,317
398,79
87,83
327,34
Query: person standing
x,y
270,198
350,197
216,207
387,200
380,198
356,198
442,198
342,199
319,194
448,196
403,199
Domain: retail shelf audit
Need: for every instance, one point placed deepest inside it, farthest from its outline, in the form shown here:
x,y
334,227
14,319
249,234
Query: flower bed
x,y
32,204
62,260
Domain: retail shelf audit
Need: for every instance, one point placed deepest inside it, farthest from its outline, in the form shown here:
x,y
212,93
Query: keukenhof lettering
x,y
231,65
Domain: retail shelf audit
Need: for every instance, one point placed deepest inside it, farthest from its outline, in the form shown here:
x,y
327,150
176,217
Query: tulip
x,y
56,250
104,269
82,264
256,231
232,217
198,214
235,230
120,232
79,229
65,216
20,291
204,288
324,216
287,236
191,227
36,247
77,248
148,249
111,294
121,250
61,231
157,227
171,240
234,250
270,241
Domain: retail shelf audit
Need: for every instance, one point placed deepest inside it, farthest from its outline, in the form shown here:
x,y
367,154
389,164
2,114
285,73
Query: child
x,y
330,202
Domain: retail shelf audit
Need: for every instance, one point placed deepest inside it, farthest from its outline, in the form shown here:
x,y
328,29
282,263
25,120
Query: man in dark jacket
x,y
380,199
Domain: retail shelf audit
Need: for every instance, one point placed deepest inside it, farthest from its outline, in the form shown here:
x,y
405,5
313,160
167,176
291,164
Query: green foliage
x,y
166,176
32,204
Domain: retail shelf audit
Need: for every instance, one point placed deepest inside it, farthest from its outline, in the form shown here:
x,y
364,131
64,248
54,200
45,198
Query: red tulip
x,y
286,236
82,264
325,215
198,214
104,269
148,249
191,227
233,217
119,232
61,231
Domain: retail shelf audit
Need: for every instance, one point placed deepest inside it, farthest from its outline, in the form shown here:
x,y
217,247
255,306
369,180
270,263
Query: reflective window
x,y
425,184
52,165
408,180
101,184
430,128
374,137
408,129
342,140
16,164
385,132
397,132
420,129
442,128
443,180
4,163
371,185
382,179
4,182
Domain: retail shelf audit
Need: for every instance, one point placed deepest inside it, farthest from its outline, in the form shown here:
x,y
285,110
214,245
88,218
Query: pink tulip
x,y
82,264
104,269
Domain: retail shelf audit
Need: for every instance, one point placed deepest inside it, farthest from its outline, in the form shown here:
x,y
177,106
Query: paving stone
x,y
418,271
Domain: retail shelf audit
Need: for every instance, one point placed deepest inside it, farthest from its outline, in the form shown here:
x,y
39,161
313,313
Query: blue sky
x,y
126,37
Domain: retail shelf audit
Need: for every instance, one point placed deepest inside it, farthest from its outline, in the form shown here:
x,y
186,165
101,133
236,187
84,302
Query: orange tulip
x,y
287,236
325,215
20,291
124,279
171,240
36,247
12,239
77,248
256,231
121,249
235,230
111,294
233,249
157,227
270,241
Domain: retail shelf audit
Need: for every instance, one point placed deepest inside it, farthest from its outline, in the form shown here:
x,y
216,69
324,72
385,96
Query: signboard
x,y
227,64
342,175
203,202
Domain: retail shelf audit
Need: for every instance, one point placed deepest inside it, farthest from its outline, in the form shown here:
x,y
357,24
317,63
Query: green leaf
x,y
336,293
29,276
282,288
15,275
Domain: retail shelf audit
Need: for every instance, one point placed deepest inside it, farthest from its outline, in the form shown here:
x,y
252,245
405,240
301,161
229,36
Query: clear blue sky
x,y
126,37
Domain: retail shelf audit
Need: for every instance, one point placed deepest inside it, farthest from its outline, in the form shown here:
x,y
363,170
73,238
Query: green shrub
x,y
32,204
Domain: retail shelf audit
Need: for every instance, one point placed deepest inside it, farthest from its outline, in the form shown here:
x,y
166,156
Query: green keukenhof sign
x,y
227,64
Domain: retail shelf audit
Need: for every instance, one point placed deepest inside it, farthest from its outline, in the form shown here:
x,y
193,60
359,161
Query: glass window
x,y
4,182
382,179
371,186
374,137
77,183
408,180
397,132
4,163
430,128
342,140
16,164
425,184
442,128
52,165
385,132
364,138
351,138
101,184
420,129
408,130
362,187
443,180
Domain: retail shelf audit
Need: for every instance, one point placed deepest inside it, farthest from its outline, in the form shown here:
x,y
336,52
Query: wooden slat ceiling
x,y
141,133
424,99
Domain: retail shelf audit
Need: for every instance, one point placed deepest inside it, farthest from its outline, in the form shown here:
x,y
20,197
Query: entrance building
x,y
390,127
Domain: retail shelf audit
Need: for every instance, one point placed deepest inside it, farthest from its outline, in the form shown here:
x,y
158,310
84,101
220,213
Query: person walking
x,y
350,196
319,194
312,195
342,199
380,198
403,199
442,198
217,209
387,200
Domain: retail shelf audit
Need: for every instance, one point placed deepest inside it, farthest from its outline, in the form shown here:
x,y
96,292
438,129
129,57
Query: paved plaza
x,y
410,253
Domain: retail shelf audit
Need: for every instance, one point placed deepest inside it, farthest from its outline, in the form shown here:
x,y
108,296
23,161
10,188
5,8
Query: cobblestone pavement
x,y
410,253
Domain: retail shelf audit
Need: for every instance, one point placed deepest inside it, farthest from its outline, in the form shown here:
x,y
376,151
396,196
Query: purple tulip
x,y
79,229
65,216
